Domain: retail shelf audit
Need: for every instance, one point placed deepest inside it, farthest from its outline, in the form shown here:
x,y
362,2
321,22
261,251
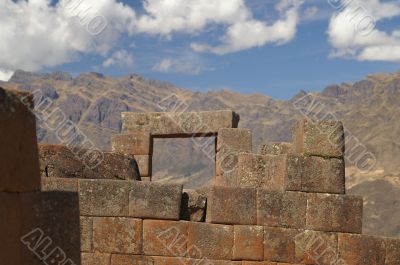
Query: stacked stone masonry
x,y
35,227
286,205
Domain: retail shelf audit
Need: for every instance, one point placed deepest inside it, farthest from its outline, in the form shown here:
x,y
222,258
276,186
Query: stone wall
x,y
285,205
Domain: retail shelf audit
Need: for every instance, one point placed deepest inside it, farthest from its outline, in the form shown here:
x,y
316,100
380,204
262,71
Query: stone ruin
x,y
284,205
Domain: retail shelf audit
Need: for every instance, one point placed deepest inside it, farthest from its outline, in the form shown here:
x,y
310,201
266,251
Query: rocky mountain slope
x,y
369,109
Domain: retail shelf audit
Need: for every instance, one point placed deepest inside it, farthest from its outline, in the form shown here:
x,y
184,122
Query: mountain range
x,y
369,110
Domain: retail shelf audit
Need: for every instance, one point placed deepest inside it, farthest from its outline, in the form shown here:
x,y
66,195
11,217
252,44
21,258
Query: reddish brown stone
x,y
86,234
211,241
392,251
193,206
169,261
315,174
319,138
316,248
230,143
44,223
361,250
19,164
179,123
281,209
135,143
58,161
164,238
275,148
279,244
96,259
245,262
104,197
59,184
334,213
155,200
117,235
248,242
258,171
117,259
230,205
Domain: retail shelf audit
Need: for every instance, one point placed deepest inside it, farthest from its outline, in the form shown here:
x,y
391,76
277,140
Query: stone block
x,y
315,174
179,123
231,205
164,238
334,213
96,259
155,200
144,163
281,209
86,234
118,259
59,184
361,250
319,138
19,164
37,227
228,179
316,248
272,148
211,241
248,242
193,206
169,260
206,261
245,262
392,251
117,235
230,143
104,197
58,161
135,143
279,244
258,171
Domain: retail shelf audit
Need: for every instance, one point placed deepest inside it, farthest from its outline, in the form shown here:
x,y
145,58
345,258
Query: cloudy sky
x,y
251,46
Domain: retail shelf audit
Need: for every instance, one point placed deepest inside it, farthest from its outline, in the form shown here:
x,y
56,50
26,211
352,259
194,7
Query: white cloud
x,y
35,34
5,75
120,58
353,32
248,32
310,12
187,63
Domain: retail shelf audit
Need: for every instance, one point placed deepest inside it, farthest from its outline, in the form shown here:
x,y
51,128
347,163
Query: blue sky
x,y
315,46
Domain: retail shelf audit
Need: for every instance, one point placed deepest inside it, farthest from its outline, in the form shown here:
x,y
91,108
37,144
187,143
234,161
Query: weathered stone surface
x,y
57,161
135,143
279,244
96,259
334,213
164,238
169,261
193,206
212,241
19,163
117,259
59,184
230,205
319,138
281,209
245,262
117,235
104,197
273,148
230,143
248,242
392,251
206,261
155,200
260,171
144,163
315,174
179,123
314,247
86,234
32,220
361,250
